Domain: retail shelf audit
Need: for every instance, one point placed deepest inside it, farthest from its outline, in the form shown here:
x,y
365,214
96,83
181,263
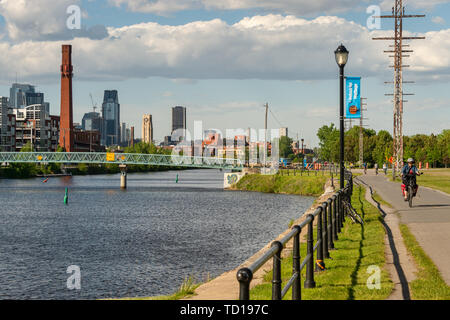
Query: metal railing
x,y
121,158
330,221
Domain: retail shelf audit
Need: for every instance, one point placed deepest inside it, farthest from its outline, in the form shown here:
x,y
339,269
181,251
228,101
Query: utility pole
x,y
265,137
398,13
361,137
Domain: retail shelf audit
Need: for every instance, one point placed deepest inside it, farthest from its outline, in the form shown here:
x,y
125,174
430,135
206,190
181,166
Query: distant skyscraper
x,y
34,98
178,118
91,121
17,94
283,132
111,118
147,128
123,133
3,122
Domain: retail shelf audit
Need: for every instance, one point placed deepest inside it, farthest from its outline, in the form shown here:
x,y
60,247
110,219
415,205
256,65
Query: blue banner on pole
x,y
353,97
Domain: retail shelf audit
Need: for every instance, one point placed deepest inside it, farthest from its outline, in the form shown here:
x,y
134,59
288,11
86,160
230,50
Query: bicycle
x,y
351,212
410,188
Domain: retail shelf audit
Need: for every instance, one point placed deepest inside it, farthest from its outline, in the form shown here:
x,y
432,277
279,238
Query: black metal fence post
x,y
320,265
276,280
330,225
326,253
335,224
296,286
339,211
309,281
244,276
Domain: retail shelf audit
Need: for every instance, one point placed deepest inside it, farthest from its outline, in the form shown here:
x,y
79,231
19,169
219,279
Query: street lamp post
x,y
341,55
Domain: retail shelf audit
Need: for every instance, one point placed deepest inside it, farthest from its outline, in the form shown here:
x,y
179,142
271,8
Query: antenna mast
x,y
398,13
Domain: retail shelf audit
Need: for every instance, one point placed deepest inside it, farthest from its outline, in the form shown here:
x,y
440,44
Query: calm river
x,y
140,242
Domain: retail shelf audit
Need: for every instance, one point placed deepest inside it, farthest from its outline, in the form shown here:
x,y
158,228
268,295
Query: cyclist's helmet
x,y
411,160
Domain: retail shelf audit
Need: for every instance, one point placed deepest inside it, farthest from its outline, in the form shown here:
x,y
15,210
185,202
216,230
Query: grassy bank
x,y
429,284
301,185
434,178
346,275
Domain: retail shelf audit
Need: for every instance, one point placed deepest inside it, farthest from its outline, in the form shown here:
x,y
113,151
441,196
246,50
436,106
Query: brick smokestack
x,y
66,121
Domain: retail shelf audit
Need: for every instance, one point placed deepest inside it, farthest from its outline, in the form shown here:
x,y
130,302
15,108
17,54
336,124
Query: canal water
x,y
140,242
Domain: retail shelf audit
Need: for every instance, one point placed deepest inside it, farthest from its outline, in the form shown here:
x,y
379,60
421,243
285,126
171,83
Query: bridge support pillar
x,y
123,176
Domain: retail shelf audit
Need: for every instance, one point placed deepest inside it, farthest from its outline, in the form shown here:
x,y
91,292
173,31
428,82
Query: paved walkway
x,y
401,266
428,219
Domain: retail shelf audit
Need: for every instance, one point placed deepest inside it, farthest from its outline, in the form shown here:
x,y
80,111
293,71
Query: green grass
x,y
433,178
346,275
429,284
436,178
380,200
302,185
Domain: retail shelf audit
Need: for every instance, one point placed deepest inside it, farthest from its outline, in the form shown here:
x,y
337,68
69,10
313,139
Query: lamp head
x,y
341,55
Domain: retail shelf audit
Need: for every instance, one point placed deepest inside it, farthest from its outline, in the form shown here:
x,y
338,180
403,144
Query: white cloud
x,y
261,47
43,20
438,20
298,7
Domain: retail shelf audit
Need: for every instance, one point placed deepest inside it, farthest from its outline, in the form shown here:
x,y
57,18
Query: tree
x,y
383,147
285,147
328,143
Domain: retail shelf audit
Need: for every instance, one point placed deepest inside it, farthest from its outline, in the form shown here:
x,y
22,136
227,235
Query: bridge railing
x,y
330,220
120,158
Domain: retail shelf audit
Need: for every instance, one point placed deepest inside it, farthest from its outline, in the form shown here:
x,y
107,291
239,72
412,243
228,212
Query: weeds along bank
x,y
300,185
357,268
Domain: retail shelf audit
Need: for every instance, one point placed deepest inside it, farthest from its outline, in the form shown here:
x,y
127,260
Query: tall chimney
x,y
66,121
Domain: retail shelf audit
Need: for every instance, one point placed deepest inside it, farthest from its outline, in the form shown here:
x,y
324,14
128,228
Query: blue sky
x,y
301,88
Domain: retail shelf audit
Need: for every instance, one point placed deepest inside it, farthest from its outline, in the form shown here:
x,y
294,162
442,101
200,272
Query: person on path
x,y
409,171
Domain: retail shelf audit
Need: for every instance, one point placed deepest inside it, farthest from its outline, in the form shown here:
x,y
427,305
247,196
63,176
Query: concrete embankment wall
x,y
226,286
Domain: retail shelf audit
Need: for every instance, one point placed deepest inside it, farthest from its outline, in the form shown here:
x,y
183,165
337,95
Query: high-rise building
x,y
283,132
34,98
111,118
178,118
17,94
7,127
91,121
128,136
33,125
123,134
147,128
66,115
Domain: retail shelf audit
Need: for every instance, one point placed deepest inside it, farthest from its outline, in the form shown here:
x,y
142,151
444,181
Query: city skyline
x,y
222,93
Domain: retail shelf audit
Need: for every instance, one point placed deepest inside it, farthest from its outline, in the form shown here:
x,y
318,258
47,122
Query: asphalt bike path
x,y
428,219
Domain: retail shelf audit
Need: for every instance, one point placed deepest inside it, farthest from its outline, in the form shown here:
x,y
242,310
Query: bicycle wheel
x,y
410,196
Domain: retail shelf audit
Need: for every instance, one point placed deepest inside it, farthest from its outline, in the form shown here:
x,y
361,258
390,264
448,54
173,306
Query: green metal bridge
x,y
121,159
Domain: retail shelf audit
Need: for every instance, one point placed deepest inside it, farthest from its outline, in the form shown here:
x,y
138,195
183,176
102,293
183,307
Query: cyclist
x,y
409,171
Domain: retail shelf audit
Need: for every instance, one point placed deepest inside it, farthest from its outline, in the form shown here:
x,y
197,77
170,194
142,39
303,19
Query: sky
x,y
223,60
